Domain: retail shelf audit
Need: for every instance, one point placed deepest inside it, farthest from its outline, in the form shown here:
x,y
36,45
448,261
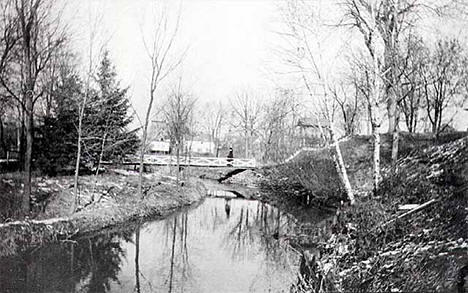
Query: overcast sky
x,y
230,43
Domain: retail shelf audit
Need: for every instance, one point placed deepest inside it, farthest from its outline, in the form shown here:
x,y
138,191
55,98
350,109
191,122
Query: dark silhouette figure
x,y
230,157
227,208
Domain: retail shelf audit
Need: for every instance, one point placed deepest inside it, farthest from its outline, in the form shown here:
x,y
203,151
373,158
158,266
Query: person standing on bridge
x,y
230,157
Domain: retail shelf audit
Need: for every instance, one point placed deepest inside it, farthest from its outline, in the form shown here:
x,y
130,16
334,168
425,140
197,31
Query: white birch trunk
x,y
96,174
376,137
342,167
78,155
395,145
143,149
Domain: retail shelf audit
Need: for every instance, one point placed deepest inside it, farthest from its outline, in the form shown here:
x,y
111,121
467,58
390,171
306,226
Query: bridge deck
x,y
194,161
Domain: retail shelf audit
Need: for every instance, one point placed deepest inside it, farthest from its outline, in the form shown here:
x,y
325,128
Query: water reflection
x,y
89,265
137,260
227,207
220,246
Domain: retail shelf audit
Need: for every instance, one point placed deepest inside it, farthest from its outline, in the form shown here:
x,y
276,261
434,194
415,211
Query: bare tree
x,y
8,40
159,53
388,20
384,20
277,129
348,100
214,116
246,111
417,63
81,111
34,33
307,33
379,39
178,114
446,83
84,101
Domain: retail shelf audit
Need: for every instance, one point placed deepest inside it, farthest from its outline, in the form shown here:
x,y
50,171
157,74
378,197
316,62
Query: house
x,y
159,147
312,130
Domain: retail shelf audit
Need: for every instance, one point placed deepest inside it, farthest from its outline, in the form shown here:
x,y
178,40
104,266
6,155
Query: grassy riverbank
x,y
373,246
105,201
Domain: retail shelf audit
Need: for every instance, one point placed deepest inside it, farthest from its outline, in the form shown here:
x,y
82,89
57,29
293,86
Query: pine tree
x,y
108,116
105,123
56,146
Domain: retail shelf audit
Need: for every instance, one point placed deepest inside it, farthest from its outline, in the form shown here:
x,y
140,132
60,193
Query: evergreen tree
x,y
56,143
105,123
108,117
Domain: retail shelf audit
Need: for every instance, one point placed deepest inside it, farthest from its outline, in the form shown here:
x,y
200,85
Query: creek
x,y
220,245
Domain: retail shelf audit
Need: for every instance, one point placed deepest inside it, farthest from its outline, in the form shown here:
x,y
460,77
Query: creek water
x,y
222,245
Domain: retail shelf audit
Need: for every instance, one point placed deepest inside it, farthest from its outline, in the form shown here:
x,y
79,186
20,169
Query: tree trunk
x,y
392,113
395,145
28,153
178,162
21,141
77,165
142,161
143,144
246,144
96,174
376,136
342,167
2,139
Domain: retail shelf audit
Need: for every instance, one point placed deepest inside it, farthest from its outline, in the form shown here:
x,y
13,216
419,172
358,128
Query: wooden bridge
x,y
159,160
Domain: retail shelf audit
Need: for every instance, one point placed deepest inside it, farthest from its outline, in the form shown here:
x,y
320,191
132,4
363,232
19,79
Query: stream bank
x,y
109,201
201,248
373,245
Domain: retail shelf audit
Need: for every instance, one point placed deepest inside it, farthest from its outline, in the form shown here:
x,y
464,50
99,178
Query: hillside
x,y
311,178
374,246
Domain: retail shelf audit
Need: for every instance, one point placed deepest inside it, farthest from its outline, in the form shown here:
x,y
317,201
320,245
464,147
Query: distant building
x,y
196,147
312,130
160,147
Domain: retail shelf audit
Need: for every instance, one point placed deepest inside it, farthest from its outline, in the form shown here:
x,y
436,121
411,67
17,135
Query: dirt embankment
x,y
373,245
110,200
311,178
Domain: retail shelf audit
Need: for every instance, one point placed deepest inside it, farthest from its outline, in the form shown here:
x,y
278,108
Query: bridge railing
x,y
196,161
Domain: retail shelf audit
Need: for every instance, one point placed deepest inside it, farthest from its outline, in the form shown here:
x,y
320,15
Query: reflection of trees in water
x,y
88,264
241,236
171,271
105,255
259,228
93,264
176,266
137,260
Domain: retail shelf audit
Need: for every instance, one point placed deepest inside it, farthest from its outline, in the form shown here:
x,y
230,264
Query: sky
x,y
230,45
227,43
